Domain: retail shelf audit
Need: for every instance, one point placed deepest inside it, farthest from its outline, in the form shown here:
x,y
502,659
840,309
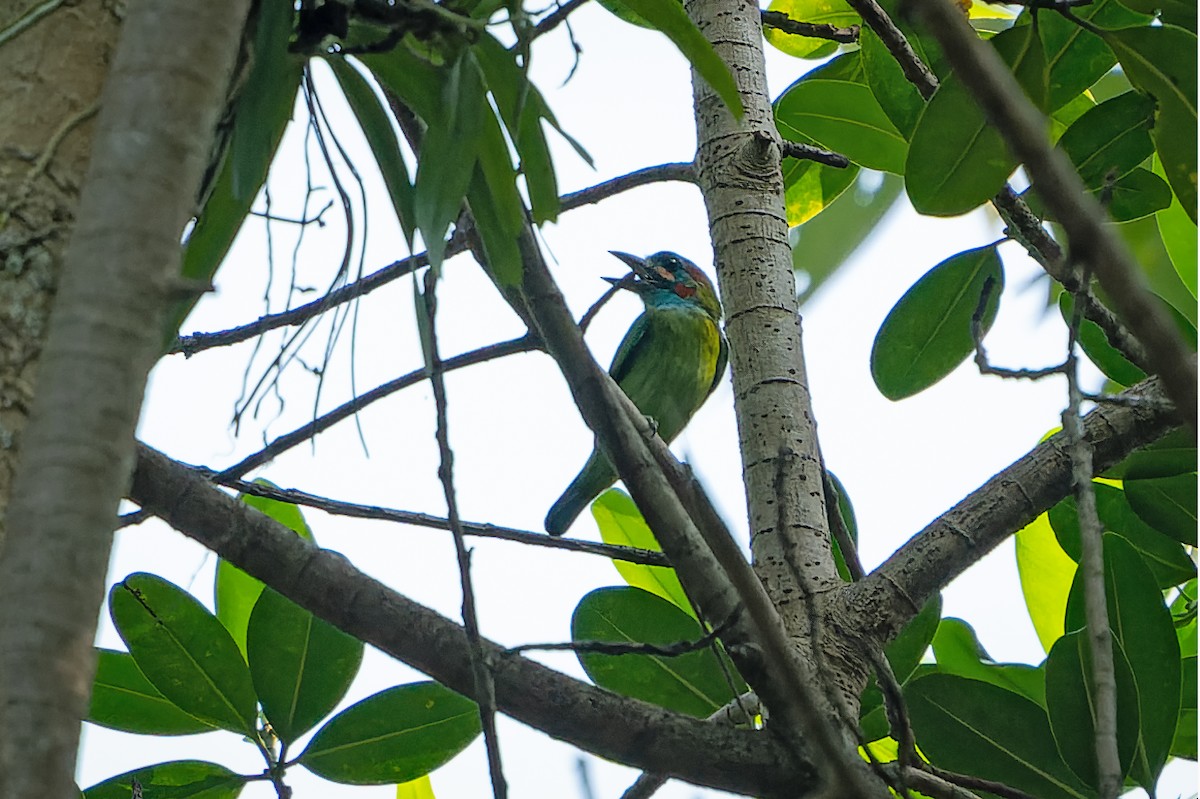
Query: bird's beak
x,y
638,265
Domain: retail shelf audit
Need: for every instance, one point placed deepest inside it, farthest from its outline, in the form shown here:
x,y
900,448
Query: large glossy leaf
x,y
978,728
927,334
414,80
1161,61
302,666
693,683
827,12
1184,742
1134,196
123,699
181,779
1075,57
810,188
1168,504
235,591
1167,559
956,157
1046,575
1095,345
1071,702
843,117
958,652
184,651
1142,626
1174,453
898,98
420,788
621,524
261,113
1178,233
1112,139
393,736
381,137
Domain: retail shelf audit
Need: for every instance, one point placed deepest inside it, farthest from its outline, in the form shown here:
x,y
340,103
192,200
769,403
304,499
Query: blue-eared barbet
x,y
668,363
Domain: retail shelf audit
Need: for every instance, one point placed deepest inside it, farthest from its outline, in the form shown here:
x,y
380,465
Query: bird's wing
x,y
722,360
627,350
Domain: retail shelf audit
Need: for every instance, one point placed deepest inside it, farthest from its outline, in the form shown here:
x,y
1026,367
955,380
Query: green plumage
x,y
671,359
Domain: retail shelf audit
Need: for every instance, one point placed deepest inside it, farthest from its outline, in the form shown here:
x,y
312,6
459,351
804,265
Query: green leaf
x,y
123,699
448,156
827,12
1174,453
1075,57
261,113
181,779
1184,742
1167,559
621,524
956,157
898,98
1134,196
693,683
1172,12
1071,703
420,788
958,652
927,334
669,17
1161,61
842,117
1168,504
302,666
414,80
810,188
381,137
1178,233
1046,575
502,248
517,99
1112,139
393,736
846,511
821,246
184,651
235,591
977,728
1142,625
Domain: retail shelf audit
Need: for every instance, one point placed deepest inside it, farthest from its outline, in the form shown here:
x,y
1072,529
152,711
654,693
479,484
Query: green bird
x,y
671,359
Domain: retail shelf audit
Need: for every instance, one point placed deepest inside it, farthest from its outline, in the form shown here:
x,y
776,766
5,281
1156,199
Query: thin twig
x,y
814,30
456,244
625,648
977,783
555,18
27,20
485,687
926,783
352,510
526,343
1091,561
806,152
981,358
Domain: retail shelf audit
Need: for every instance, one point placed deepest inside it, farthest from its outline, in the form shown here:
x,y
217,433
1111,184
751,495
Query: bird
x,y
672,358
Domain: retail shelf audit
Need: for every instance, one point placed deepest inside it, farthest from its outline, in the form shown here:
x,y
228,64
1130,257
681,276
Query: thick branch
x,y
1092,240
620,729
881,604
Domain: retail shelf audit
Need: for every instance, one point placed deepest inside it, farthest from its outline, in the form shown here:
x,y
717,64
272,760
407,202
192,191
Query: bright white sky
x,y
518,439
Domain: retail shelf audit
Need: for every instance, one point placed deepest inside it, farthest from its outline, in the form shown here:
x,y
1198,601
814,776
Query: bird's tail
x,y
596,476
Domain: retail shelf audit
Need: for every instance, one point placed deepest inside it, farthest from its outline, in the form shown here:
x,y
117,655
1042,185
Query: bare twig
x,y
624,648
793,149
815,30
555,18
352,510
485,687
926,783
981,358
977,783
683,172
526,343
1092,240
1091,562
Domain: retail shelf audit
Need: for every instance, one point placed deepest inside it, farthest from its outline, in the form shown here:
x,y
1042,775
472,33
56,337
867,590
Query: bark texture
x,y
53,70
154,132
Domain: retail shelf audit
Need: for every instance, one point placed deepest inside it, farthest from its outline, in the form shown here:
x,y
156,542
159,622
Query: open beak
x,y
638,265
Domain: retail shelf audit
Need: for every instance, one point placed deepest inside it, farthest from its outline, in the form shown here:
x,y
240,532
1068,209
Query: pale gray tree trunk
x,y
154,131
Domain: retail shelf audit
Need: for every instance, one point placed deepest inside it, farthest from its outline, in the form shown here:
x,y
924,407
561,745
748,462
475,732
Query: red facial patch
x,y
684,291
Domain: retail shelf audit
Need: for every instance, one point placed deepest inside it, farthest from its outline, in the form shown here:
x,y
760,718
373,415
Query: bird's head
x,y
666,271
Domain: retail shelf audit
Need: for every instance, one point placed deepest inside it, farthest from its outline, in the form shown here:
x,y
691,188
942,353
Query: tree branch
x,y
882,603
815,30
1092,240
325,583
